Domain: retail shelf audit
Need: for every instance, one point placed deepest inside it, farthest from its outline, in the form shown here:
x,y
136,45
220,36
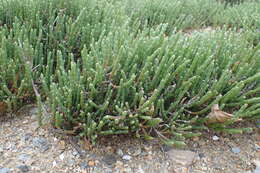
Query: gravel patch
x,y
26,148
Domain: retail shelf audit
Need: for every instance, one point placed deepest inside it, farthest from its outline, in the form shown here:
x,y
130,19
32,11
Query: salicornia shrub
x,y
119,67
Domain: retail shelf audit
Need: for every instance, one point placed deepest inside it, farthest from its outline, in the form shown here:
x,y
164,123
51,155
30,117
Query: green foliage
x,y
186,15
119,67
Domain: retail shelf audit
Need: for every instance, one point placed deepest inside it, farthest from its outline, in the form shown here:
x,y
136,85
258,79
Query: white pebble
x,y
54,163
62,156
126,157
215,138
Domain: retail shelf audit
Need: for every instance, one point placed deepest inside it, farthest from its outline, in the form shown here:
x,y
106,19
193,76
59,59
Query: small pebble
x,y
75,153
126,157
84,165
134,151
196,138
54,163
24,157
5,170
182,157
257,146
257,163
257,170
127,170
148,148
26,137
62,144
140,170
70,162
119,164
40,143
215,138
61,156
119,152
109,159
137,152
110,149
23,168
10,146
236,150
201,155
91,163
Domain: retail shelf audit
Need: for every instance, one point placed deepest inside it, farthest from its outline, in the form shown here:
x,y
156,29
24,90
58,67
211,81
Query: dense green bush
x,y
245,15
180,15
117,67
48,27
140,81
185,15
235,2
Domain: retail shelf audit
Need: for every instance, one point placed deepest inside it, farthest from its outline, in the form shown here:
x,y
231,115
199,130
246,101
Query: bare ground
x,y
26,148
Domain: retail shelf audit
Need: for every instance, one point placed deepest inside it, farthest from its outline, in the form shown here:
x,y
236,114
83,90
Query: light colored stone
x,y
126,157
134,151
137,152
119,164
235,150
1,149
23,168
61,156
196,138
257,145
140,170
183,158
5,170
75,153
127,170
215,138
54,163
257,162
119,152
24,157
257,170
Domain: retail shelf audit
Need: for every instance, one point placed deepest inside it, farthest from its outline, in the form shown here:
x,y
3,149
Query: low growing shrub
x,y
105,69
139,83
